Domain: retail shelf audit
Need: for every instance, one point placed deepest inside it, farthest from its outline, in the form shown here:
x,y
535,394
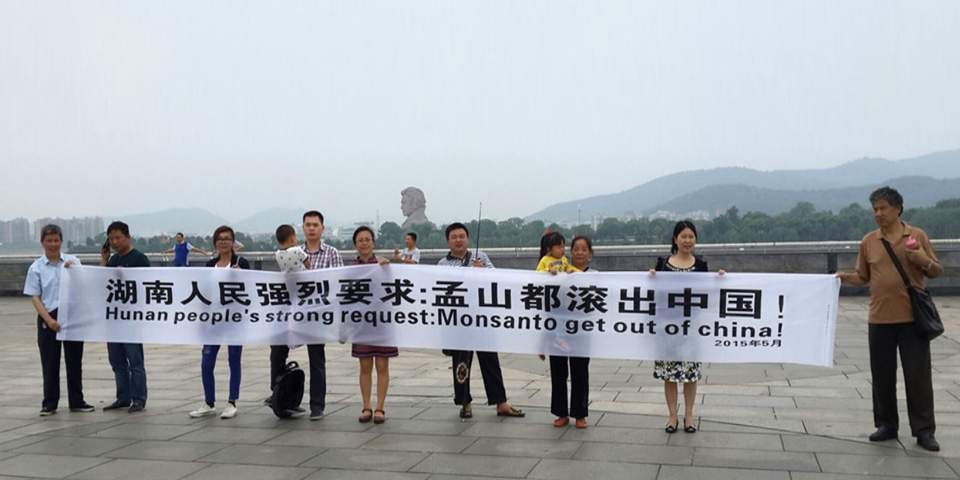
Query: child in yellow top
x,y
552,258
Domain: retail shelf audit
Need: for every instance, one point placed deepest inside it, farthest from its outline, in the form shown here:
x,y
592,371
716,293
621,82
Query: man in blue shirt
x,y
126,359
43,287
181,252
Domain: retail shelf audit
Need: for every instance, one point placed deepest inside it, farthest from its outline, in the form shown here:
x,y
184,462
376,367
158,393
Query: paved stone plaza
x,y
764,421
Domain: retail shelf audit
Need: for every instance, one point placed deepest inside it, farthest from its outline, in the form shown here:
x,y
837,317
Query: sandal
x,y
513,412
382,418
466,411
672,428
581,423
561,422
365,415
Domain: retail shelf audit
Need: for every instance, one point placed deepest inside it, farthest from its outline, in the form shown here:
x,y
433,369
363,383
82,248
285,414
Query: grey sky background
x,y
112,108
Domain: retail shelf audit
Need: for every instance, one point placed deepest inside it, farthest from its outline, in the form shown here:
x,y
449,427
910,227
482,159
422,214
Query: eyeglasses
x,y
224,239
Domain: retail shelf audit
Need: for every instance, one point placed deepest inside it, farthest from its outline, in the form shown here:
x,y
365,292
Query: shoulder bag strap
x,y
896,262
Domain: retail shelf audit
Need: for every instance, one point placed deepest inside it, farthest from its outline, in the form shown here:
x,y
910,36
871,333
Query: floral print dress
x,y
680,372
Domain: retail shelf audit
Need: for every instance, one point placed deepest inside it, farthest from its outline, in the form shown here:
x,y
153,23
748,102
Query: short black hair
x,y
179,234
456,226
313,213
412,235
51,229
891,195
363,228
284,232
120,227
549,241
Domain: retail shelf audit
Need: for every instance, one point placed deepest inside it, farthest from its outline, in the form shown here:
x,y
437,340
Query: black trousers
x,y
50,362
579,371
492,377
318,372
884,340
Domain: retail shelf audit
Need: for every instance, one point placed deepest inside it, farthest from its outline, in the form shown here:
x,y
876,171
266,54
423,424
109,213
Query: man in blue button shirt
x,y
43,287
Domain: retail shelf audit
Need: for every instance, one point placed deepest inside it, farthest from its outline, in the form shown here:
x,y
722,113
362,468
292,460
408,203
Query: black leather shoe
x,y
883,433
115,406
928,441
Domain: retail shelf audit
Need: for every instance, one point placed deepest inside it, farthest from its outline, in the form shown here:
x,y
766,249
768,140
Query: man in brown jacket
x,y
891,319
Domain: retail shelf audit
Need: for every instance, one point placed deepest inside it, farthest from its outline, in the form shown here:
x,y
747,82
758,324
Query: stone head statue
x,y
412,204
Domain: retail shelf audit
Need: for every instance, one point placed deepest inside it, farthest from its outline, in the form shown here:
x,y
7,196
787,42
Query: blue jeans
x,y
208,360
127,362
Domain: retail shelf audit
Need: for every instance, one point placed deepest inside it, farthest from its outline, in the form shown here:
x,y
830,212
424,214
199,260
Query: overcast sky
x,y
111,108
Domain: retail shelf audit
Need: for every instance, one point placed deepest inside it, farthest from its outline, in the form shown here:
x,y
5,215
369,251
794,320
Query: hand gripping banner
x,y
779,318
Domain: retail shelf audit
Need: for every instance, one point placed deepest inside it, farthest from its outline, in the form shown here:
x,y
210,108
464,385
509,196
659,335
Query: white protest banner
x,y
636,315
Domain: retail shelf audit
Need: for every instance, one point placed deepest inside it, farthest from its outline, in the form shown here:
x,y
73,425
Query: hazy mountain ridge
x,y
658,194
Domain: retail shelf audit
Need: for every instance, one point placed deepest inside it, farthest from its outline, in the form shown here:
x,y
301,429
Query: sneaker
x,y
316,416
136,407
85,407
229,412
46,412
117,405
204,411
299,410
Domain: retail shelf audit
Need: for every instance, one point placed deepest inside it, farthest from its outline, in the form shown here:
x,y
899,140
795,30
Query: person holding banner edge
x,y
223,238
363,241
126,359
681,259
43,286
459,256
890,319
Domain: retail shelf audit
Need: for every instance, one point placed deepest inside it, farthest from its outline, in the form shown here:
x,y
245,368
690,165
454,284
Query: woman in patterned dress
x,y
370,354
673,372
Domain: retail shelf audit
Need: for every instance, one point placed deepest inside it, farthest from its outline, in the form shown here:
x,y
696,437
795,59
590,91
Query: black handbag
x,y
925,314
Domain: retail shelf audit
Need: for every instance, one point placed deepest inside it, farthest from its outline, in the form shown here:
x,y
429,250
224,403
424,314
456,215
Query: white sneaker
x,y
204,411
229,412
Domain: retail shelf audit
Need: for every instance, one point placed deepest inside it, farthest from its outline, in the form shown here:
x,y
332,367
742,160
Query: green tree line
x,y
803,223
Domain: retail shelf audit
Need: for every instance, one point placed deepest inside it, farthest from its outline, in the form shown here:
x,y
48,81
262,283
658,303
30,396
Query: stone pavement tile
x,y
366,459
633,421
837,476
514,430
233,472
749,441
825,415
252,420
725,390
121,469
426,427
576,470
5,455
819,444
752,425
619,452
13,442
822,392
891,466
281,455
477,465
670,472
466,477
306,438
835,403
12,423
405,412
748,401
754,460
47,466
331,424
421,443
645,436
840,429
86,429
523,448
158,450
146,431
329,474
80,446
251,436
481,413
45,425
641,397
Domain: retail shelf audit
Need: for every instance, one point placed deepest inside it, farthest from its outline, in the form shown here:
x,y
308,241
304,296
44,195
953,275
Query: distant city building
x,y
15,232
75,230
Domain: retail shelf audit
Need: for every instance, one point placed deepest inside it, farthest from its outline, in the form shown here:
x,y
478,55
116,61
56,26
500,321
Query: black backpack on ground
x,y
288,393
